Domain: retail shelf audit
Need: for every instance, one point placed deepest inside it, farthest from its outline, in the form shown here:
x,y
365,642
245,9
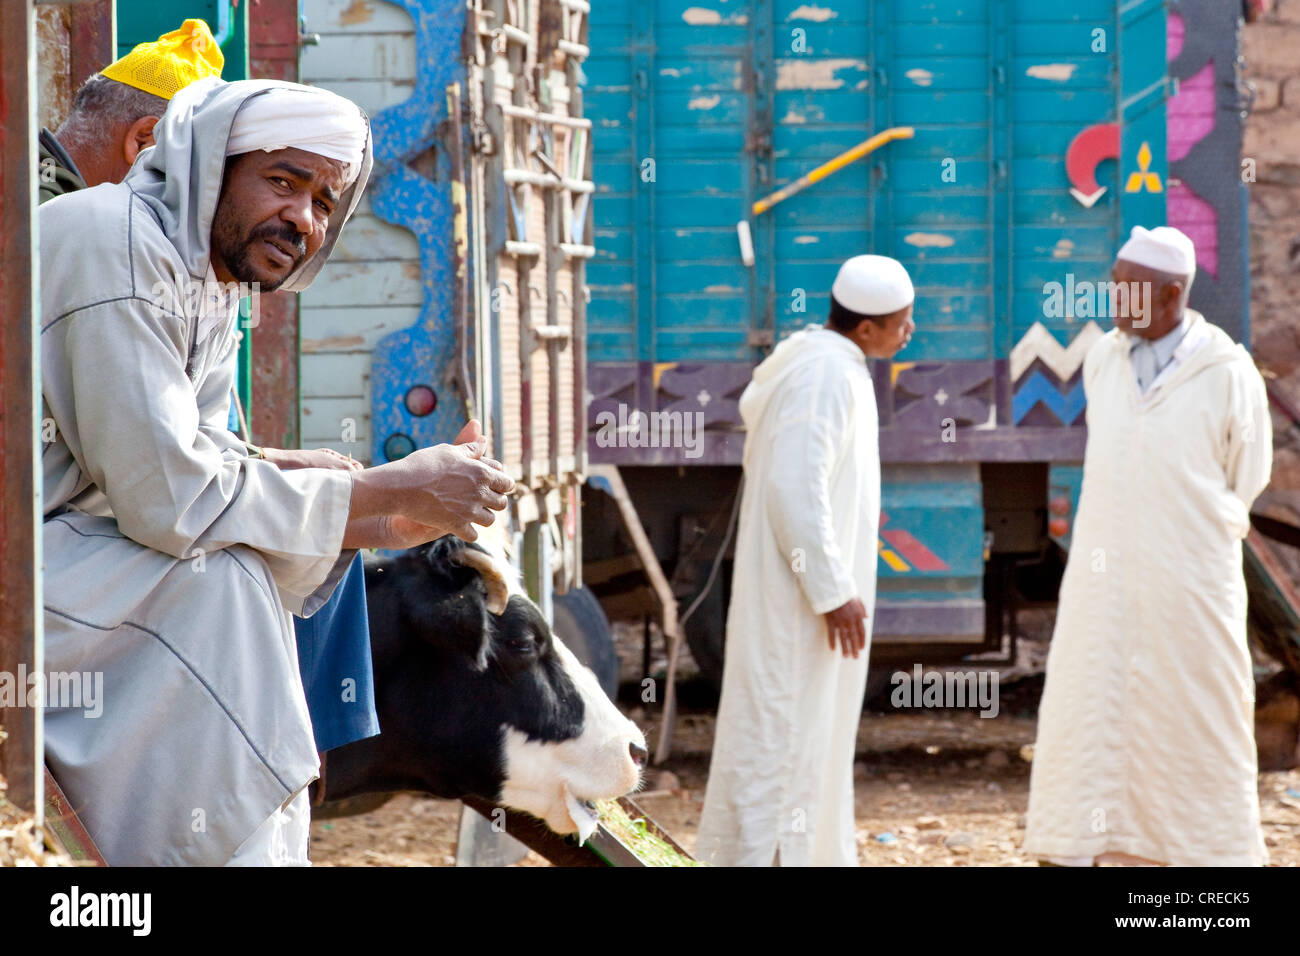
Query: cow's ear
x,y
460,619
494,584
450,553
440,554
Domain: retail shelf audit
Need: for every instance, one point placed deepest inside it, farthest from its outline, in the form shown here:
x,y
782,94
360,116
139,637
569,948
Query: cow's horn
x,y
498,592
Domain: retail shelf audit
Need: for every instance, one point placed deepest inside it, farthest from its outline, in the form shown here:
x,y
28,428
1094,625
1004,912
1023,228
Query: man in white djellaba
x,y
172,557
1146,751
798,630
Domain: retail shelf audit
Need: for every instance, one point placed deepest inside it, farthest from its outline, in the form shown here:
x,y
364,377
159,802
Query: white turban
x,y
1163,248
305,117
873,285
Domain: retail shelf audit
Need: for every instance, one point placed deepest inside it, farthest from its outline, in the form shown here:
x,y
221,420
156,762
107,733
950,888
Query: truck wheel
x,y
581,624
880,680
706,629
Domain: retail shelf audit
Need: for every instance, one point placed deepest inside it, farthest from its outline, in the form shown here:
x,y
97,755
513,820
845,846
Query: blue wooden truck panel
x,y
703,106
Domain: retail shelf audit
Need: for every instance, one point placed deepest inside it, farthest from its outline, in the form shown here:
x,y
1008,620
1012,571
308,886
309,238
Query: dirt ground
x,y
932,789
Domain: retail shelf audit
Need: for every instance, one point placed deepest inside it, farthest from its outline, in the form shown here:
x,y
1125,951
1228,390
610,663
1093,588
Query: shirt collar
x,y
1165,345
1195,332
218,296
218,302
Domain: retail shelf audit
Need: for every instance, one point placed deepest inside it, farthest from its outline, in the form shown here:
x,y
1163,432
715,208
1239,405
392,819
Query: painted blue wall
x,y
995,90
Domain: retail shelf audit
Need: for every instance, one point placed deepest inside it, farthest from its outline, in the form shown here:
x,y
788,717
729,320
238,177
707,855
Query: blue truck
x,y
551,243
1036,136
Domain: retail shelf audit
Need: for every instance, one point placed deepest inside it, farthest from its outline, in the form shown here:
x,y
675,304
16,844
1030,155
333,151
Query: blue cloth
x,y
334,660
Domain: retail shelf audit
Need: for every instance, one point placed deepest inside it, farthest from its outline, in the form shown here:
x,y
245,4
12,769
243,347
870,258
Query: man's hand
x,y
848,623
447,488
388,531
288,459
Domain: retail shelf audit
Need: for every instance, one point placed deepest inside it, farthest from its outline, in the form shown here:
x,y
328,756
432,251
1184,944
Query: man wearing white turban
x,y
172,557
798,629
1146,750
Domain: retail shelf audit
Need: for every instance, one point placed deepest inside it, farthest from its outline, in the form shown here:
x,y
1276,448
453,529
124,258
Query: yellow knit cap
x,y
170,63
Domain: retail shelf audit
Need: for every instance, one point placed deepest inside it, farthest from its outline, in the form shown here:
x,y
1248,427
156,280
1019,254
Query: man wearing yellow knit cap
x,y
114,112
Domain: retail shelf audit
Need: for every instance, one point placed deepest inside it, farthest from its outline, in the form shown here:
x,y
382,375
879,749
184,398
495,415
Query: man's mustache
x,y
285,233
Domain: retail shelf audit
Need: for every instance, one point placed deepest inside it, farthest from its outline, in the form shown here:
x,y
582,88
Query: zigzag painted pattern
x,y
1064,361
1038,388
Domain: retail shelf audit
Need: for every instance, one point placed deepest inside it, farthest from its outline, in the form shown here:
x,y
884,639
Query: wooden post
x,y
273,418
92,41
21,759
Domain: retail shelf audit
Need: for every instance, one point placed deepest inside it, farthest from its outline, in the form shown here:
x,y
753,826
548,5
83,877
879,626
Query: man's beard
x,y
236,255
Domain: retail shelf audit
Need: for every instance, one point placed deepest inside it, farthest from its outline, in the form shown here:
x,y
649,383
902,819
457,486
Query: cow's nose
x,y
639,754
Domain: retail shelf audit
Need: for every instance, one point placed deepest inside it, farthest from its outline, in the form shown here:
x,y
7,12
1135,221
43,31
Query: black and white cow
x,y
477,697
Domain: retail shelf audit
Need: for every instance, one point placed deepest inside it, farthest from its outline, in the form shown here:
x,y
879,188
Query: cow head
x,y
476,696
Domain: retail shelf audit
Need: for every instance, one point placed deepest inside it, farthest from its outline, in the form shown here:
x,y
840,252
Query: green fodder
x,y
637,836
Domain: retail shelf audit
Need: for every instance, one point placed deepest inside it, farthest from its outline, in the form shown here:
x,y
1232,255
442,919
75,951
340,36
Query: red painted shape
x,y
421,400
1091,147
913,551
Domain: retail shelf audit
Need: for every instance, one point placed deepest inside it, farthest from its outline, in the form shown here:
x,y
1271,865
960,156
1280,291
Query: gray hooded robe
x,y
172,560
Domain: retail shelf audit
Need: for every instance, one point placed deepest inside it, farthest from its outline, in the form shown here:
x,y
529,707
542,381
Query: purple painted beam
x,y
896,447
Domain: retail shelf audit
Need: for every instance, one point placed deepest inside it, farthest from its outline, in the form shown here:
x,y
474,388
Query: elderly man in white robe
x,y
172,558
798,630
1146,751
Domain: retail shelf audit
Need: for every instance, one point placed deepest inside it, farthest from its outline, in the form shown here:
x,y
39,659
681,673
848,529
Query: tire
x,y
581,624
706,629
880,680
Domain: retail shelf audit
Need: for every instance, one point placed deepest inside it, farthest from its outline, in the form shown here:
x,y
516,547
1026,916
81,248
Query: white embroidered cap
x,y
1163,248
873,285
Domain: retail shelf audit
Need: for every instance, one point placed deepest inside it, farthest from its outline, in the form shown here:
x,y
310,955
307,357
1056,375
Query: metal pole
x,y
21,759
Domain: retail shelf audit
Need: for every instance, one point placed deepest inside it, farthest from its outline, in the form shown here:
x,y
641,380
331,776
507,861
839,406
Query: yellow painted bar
x,y
893,560
833,166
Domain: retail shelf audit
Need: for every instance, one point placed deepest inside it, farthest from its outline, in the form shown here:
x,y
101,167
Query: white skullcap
x,y
308,118
872,285
1163,248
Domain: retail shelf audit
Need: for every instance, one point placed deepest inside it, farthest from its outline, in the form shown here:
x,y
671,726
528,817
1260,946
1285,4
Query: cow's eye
x,y
523,644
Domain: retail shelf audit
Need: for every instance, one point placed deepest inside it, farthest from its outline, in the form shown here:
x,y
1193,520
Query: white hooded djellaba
x,y
782,768
172,559
1145,732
